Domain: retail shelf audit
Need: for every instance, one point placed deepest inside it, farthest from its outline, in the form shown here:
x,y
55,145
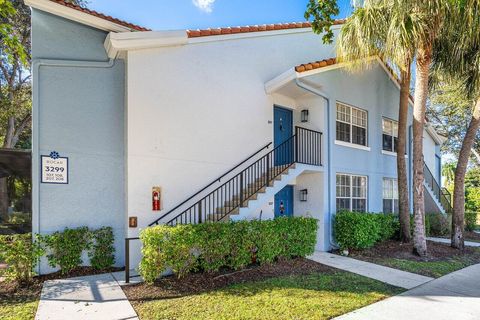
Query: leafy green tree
x,y
450,111
448,172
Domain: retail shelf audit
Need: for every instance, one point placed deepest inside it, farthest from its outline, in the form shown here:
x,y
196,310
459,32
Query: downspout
x,y
323,95
36,65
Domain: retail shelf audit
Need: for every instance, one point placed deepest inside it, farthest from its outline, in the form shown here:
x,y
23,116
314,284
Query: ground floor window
x,y
351,192
390,195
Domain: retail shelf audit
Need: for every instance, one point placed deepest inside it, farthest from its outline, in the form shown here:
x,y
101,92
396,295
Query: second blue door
x,y
284,202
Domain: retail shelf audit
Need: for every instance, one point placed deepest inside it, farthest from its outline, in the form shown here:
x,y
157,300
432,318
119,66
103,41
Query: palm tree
x,y
426,19
457,59
373,29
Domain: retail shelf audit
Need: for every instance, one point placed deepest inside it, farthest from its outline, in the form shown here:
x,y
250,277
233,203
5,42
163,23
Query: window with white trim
x,y
390,195
390,135
351,192
351,124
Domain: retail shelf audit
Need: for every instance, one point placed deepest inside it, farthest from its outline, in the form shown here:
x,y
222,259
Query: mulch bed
x,y
398,250
172,287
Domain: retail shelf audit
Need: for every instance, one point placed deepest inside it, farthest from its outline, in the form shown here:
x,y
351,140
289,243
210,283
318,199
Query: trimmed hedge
x,y
211,246
64,249
356,230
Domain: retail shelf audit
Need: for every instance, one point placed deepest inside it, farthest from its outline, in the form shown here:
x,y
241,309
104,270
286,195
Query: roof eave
x,y
78,16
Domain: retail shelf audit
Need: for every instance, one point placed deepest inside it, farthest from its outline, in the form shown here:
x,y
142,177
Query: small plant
x,y
20,254
102,251
65,248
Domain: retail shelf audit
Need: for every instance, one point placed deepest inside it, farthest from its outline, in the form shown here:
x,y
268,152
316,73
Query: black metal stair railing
x,y
440,193
303,147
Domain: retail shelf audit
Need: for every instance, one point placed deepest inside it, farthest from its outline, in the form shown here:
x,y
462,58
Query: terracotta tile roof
x,y
256,28
315,65
328,62
101,15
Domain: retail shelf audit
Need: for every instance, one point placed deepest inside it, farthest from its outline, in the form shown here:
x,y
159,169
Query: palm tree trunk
x,y
424,59
458,221
403,202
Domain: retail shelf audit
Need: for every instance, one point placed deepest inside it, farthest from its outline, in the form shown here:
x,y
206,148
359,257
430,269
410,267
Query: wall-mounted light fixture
x,y
304,115
303,195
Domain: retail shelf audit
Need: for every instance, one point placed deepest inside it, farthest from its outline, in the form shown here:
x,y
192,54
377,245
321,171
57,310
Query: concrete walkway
x,y
454,296
388,275
90,297
447,241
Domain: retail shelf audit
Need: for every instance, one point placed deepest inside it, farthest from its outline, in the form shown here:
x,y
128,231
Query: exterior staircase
x,y
440,196
251,183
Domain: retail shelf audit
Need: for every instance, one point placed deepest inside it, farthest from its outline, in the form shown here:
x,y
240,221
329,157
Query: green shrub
x,y
65,248
471,219
437,224
211,246
102,251
241,248
355,230
389,226
20,254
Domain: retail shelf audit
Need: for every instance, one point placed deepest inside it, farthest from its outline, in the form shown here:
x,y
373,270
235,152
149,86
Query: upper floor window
x,y
351,192
390,135
390,195
351,124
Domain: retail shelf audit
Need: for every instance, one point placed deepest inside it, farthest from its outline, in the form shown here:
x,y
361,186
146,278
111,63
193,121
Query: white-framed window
x,y
390,195
352,192
390,135
351,124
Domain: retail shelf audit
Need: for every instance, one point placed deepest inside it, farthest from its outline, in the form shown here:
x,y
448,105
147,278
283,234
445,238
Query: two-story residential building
x,y
149,127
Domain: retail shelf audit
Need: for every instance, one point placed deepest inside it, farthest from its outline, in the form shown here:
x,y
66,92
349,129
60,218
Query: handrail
x,y
210,184
437,190
303,147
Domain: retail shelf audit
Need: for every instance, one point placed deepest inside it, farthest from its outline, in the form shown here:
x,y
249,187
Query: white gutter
x,y
432,133
323,95
126,41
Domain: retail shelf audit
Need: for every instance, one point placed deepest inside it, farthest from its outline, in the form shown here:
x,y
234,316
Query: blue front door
x,y
282,131
284,202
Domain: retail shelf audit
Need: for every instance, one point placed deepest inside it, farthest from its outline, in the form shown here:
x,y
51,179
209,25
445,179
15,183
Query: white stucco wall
x,y
429,147
194,111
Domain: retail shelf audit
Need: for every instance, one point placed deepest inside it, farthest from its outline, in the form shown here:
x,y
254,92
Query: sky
x,y
194,14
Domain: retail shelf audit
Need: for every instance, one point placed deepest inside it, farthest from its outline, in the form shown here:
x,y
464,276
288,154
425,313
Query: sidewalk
x,y
447,241
388,275
454,296
90,297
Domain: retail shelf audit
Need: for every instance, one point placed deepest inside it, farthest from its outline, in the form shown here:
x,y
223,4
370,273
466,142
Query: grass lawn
x,y
318,295
20,303
441,259
433,269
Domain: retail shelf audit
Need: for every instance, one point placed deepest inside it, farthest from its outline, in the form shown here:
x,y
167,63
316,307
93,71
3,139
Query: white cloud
x,y
204,5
